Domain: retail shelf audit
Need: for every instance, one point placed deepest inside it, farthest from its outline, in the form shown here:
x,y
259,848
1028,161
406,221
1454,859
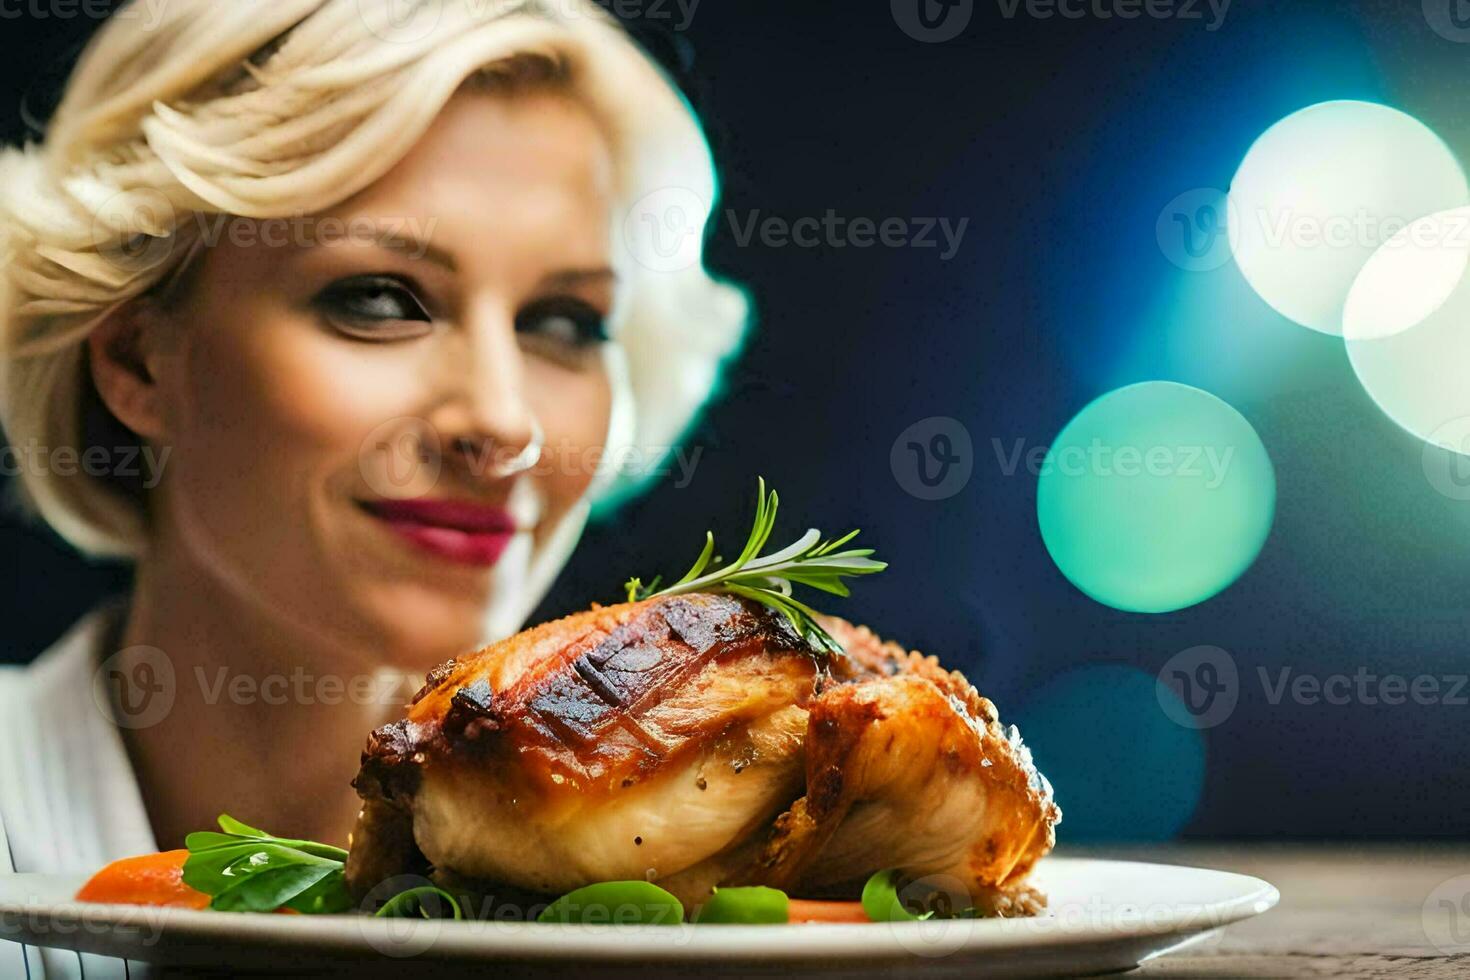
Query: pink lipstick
x,y
461,531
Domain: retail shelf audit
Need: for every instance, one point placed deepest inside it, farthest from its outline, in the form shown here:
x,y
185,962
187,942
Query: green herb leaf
x,y
880,899
424,902
616,903
244,869
809,561
268,890
754,904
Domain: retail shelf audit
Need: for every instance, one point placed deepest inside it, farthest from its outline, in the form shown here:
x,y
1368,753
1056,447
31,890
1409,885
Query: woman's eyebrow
x,y
569,278
420,249
416,248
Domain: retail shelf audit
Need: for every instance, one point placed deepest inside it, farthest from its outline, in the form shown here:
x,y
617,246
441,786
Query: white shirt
x,y
69,799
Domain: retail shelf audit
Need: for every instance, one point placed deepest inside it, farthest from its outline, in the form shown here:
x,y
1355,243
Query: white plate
x,y
1103,916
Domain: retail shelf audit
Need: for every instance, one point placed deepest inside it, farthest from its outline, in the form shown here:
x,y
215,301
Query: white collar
x,y
69,799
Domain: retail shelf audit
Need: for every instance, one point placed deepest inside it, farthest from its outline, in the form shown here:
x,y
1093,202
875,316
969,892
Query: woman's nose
x,y
484,421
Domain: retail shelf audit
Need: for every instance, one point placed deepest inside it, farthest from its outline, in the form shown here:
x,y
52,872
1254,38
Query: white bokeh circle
x,y
1320,191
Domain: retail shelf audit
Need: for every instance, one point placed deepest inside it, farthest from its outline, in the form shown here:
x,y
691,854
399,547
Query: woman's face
x,y
344,395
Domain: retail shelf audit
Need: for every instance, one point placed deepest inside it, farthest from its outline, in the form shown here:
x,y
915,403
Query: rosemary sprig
x,y
810,561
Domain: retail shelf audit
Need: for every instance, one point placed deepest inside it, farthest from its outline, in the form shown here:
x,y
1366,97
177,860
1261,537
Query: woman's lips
x,y
460,531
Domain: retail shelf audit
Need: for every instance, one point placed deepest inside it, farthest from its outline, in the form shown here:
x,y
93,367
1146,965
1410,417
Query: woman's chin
x,y
420,625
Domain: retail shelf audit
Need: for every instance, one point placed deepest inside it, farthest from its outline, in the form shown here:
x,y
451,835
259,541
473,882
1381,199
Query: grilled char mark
x,y
471,712
386,772
576,688
607,688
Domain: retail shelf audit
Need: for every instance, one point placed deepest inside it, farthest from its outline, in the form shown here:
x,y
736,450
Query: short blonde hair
x,y
287,107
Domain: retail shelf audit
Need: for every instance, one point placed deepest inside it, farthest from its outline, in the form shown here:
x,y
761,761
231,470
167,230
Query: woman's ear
x,y
122,351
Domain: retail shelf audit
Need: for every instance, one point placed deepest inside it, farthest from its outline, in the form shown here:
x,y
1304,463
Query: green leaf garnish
x,y
880,898
883,903
755,904
615,903
412,904
809,561
244,869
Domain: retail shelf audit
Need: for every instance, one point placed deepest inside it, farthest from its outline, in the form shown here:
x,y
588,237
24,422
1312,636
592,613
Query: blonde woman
x,y
370,294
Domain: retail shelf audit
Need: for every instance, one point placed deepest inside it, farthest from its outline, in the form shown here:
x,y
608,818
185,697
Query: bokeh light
x,y
1155,497
1417,375
1409,277
1122,769
1321,190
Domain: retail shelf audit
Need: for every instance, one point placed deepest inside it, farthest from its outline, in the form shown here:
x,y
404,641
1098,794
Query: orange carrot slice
x,y
149,879
808,910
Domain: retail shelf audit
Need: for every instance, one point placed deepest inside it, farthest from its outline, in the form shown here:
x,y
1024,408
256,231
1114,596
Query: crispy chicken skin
x,y
696,741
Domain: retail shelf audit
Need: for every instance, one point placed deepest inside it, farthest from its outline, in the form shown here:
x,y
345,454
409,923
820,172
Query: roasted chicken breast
x,y
695,741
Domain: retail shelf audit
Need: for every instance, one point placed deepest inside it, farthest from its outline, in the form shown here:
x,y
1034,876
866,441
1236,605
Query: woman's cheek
x,y
574,409
297,392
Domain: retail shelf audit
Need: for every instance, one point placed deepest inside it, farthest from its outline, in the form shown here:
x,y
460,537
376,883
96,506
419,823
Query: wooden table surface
x,y
1399,911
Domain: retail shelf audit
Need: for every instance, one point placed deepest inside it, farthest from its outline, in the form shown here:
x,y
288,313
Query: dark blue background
x,y
1061,141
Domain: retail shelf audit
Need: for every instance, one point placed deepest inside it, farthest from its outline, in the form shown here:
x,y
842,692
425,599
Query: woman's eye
x,y
568,323
374,308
